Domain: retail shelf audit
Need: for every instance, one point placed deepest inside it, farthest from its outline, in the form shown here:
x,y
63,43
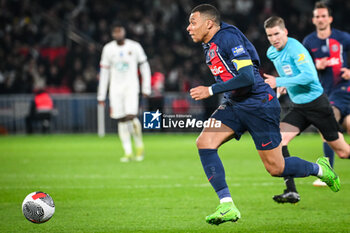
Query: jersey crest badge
x,y
211,54
335,48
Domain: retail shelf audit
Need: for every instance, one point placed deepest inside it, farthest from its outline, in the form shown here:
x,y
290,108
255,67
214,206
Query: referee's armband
x,y
241,63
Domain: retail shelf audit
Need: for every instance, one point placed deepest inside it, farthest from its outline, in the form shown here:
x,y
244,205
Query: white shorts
x,y
124,103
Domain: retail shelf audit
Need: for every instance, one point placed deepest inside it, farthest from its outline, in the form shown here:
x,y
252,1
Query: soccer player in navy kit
x,y
329,47
298,75
250,105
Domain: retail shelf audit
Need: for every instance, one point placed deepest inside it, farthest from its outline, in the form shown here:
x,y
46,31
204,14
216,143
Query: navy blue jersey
x,y
225,54
335,49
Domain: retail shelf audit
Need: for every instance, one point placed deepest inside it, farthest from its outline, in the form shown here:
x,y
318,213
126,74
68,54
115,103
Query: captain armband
x,y
241,63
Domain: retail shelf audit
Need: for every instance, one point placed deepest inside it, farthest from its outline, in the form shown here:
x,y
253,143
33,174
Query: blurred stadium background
x,y
57,44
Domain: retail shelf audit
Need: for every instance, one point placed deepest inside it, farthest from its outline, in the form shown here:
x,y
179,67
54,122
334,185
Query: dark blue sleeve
x,y
347,41
243,79
307,44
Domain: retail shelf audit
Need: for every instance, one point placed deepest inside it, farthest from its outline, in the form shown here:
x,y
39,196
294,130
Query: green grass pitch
x,y
168,192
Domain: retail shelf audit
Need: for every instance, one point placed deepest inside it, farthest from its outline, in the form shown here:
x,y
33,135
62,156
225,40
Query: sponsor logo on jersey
x,y
122,66
211,54
217,64
239,50
216,70
314,50
287,69
333,61
301,57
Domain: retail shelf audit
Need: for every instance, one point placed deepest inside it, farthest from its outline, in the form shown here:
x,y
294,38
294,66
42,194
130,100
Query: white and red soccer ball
x,y
38,207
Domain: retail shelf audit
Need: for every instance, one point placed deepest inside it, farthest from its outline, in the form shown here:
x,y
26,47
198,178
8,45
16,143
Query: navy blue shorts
x,y
340,98
261,121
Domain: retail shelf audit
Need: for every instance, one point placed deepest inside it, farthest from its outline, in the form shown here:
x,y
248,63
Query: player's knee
x,y
342,151
204,142
275,170
285,140
343,154
200,143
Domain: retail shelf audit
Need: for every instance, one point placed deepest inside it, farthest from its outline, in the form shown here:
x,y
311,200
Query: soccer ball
x,y
38,207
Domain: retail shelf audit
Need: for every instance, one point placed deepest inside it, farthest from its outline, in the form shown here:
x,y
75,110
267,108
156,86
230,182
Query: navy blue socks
x,y
215,172
298,167
328,152
288,180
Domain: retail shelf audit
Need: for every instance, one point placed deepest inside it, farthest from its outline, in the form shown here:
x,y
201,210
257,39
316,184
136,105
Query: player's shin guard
x,y
297,167
215,172
328,152
125,137
289,181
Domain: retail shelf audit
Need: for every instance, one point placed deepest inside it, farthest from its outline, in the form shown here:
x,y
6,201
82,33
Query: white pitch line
x,y
145,186
104,177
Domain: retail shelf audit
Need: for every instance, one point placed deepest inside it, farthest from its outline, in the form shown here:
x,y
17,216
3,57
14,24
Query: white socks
x,y
226,199
125,137
137,132
128,128
320,172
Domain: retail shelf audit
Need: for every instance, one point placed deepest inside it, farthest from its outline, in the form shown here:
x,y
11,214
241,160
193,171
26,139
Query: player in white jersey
x,y
120,61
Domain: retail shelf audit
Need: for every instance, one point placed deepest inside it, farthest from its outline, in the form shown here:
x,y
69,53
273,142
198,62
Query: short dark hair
x,y
322,5
117,24
208,10
274,21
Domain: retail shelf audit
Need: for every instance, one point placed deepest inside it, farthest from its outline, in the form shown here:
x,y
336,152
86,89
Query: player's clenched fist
x,y
200,92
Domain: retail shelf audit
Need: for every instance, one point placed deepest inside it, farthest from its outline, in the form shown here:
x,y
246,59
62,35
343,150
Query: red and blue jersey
x,y
335,49
227,52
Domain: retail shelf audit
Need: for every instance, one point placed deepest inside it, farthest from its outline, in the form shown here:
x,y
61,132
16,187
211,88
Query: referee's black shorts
x,y
318,113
